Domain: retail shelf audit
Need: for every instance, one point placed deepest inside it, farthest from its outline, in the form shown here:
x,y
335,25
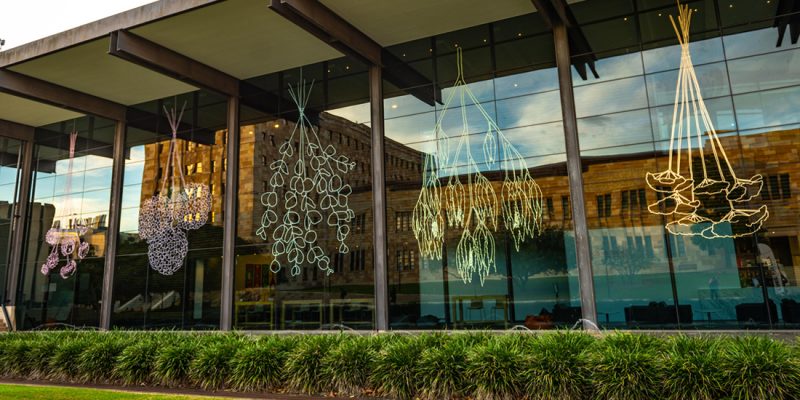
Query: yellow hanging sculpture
x,y
469,201
711,205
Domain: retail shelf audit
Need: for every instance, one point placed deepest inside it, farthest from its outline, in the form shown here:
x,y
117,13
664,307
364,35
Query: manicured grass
x,y
17,392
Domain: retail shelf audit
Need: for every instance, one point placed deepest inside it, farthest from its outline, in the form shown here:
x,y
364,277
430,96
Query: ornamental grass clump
x,y
441,370
63,363
626,366
304,364
135,363
394,371
210,368
13,356
495,368
43,346
691,368
96,362
172,361
555,366
258,365
755,367
348,364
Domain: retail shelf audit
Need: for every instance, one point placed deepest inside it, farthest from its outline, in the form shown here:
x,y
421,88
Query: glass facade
x,y
509,67
304,248
290,271
66,193
190,297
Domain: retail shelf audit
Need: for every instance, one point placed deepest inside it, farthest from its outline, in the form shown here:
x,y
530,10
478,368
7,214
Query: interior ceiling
x,y
88,68
393,22
243,38
24,111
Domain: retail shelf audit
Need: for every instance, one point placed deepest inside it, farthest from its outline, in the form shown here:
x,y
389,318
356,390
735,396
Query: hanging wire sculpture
x,y
67,241
469,200
713,207
316,195
175,209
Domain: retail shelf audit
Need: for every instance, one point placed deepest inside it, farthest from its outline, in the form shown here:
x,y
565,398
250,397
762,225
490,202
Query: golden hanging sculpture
x,y
713,207
468,201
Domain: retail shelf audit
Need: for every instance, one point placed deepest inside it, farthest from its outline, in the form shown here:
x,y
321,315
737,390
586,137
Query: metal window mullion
x,y
19,225
112,235
380,268
229,224
574,169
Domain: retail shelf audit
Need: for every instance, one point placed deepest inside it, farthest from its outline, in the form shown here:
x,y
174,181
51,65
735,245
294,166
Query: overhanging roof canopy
x,y
242,38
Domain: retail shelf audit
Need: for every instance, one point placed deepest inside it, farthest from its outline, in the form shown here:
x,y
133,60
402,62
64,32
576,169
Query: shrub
x,y
210,368
626,366
756,367
63,363
555,366
42,349
172,361
135,363
348,364
304,364
495,368
259,365
441,369
395,368
691,368
96,362
13,356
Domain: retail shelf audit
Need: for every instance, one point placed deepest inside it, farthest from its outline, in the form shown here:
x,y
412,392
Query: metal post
x,y
19,226
112,233
230,207
574,169
378,200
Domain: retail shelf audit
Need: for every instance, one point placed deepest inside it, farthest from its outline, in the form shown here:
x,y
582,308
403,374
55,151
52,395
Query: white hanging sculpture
x,y
715,206
67,241
314,195
468,201
176,208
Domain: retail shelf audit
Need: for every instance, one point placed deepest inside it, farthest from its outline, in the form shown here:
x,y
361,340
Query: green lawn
x,y
17,392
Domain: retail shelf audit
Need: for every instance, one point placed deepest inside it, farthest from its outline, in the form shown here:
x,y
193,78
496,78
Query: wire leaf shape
x,y
469,201
315,196
709,201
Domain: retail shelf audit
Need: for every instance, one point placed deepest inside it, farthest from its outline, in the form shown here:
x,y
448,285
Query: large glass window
x,y
645,276
70,196
304,246
189,298
512,98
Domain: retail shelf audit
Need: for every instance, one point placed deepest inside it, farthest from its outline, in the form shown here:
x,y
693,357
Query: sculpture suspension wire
x,y
473,206
314,195
175,209
67,241
713,207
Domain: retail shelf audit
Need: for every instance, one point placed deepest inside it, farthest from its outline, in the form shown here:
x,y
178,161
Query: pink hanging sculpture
x,y
178,207
67,241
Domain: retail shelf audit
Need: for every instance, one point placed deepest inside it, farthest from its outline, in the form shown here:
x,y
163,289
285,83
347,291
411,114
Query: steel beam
x,y
45,92
575,176
326,25
156,57
381,270
112,234
16,131
230,215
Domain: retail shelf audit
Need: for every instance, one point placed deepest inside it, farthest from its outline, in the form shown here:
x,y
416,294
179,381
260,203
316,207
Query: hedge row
x,y
559,365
